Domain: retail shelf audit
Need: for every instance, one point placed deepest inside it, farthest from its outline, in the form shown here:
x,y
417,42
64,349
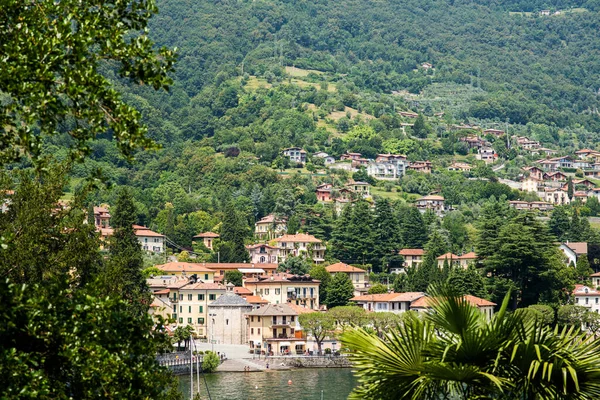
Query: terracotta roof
x,y
595,274
230,266
425,302
299,309
255,299
448,256
143,231
163,291
578,247
258,245
203,286
411,252
281,277
299,238
387,297
176,266
242,291
341,267
431,197
207,235
468,256
270,219
579,290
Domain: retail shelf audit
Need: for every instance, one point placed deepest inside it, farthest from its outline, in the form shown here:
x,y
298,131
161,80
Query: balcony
x,y
174,299
281,324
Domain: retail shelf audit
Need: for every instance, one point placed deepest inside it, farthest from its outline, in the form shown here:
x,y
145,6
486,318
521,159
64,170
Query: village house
x,y
432,202
248,270
519,205
150,241
300,245
408,114
555,176
459,166
582,164
186,269
426,66
535,173
356,275
595,279
473,141
420,166
350,156
581,196
362,189
595,192
587,154
583,182
547,152
323,192
486,154
327,159
423,304
390,158
286,288
530,144
262,253
273,330
227,314
541,206
556,196
574,250
493,132
101,217
548,165
462,261
386,170
564,161
208,239
360,162
412,257
269,227
588,297
387,302
530,185
295,154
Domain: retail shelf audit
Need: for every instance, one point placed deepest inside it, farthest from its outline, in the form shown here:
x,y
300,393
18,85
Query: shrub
x,y
210,362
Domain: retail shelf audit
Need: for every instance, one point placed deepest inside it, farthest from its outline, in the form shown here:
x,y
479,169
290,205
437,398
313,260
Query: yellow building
x,y
273,329
356,275
286,288
190,304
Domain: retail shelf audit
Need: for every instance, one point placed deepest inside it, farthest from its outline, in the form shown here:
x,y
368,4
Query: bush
x,y
210,362
328,351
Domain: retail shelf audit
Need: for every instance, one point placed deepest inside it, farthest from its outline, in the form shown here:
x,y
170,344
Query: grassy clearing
x,y
299,72
336,115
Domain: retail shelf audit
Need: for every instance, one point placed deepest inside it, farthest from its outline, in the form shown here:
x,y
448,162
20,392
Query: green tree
x,y
72,86
339,291
428,272
559,222
414,231
583,269
347,316
542,313
467,281
570,189
293,225
210,362
235,277
457,352
420,128
124,276
234,231
184,256
571,315
386,232
69,343
378,288
317,324
294,265
319,273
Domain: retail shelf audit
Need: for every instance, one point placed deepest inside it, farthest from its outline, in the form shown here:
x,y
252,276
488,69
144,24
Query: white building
x,y
432,202
295,154
573,250
227,318
303,245
151,241
387,302
587,297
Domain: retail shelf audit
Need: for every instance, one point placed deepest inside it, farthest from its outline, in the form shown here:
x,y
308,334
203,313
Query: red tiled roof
x,y
207,235
203,286
299,238
300,309
242,291
448,256
578,247
468,256
341,267
411,252
183,267
231,266
426,302
163,291
431,197
255,299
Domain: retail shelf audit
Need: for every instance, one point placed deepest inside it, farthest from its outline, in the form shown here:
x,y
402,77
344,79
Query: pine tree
x,y
386,230
428,272
493,215
293,225
420,129
340,236
125,276
339,291
414,231
559,223
583,269
90,215
361,238
234,230
467,281
576,228
570,189
319,273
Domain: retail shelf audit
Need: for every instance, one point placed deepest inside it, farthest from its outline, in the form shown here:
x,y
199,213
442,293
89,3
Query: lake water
x,y
334,383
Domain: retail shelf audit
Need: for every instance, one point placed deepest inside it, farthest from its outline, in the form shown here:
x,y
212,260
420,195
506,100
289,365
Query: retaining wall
x,y
312,361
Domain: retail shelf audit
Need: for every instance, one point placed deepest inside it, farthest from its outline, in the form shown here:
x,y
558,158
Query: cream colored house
x,y
273,329
150,241
432,202
356,275
387,302
286,288
300,245
208,239
412,257
269,227
190,304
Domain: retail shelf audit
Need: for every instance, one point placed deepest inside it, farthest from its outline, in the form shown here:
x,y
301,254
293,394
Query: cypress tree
x,y
234,230
386,231
125,276
414,231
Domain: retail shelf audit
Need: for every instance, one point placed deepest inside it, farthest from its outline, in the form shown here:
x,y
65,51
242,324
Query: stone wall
x,y
312,361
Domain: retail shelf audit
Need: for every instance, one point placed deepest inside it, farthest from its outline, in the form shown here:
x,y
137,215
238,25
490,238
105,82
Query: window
x,y
145,240
292,318
181,297
576,300
189,320
200,297
258,319
586,300
212,296
175,317
180,309
205,277
258,331
266,291
201,321
226,322
189,297
277,291
200,309
174,308
181,320
190,309
596,300
252,331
